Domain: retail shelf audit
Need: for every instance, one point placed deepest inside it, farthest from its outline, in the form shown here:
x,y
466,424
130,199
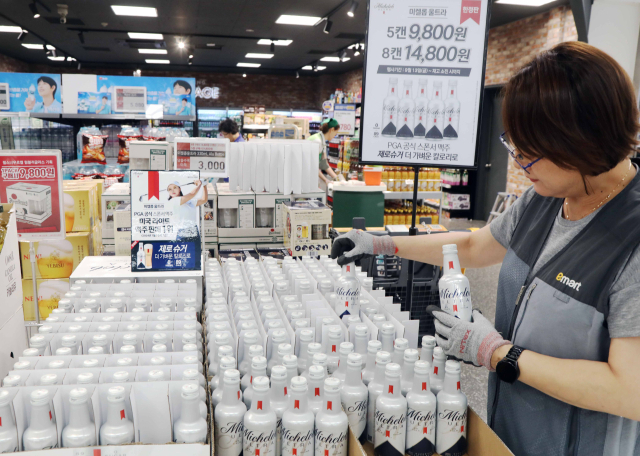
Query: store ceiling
x,y
233,26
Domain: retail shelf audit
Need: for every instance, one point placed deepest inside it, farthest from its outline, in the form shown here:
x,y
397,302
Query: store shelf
x,y
123,117
409,195
35,115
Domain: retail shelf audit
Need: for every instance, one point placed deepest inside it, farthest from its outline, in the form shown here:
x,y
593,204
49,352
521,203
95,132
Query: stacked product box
x,y
115,195
307,228
137,345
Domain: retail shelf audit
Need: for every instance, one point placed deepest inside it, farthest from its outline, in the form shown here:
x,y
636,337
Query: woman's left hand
x,y
472,342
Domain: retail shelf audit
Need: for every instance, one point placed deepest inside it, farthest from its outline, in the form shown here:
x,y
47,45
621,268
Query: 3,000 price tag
x,y
207,163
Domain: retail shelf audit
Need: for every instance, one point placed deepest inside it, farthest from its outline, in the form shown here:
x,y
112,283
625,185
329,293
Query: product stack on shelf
x,y
116,363
56,260
289,339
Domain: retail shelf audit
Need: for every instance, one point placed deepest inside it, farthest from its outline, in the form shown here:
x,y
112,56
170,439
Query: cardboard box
x,y
57,259
112,197
32,202
210,215
79,205
50,291
122,229
151,155
307,228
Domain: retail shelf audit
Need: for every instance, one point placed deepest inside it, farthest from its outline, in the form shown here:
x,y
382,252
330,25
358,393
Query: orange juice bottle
x,y
385,177
405,177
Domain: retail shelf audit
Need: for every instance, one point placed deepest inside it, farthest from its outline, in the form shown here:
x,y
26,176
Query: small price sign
x,y
130,99
207,155
5,101
346,116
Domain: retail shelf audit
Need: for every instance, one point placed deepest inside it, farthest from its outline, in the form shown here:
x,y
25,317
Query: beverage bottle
x,y
422,100
341,372
399,346
435,123
226,363
390,416
375,389
8,429
332,424
278,337
465,178
410,358
306,338
361,340
279,400
39,342
421,413
406,112
313,349
290,362
224,351
190,427
373,347
298,422
451,111
220,339
317,375
41,434
283,350
229,416
451,428
81,430
390,109
258,369
348,292
259,437
428,344
387,334
32,95
334,337
254,350
455,295
354,396
437,374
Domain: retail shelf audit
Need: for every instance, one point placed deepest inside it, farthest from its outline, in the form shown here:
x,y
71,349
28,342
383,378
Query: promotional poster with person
x,y
33,92
165,215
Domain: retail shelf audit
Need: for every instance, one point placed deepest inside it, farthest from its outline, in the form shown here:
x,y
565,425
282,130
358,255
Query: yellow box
x,y
49,293
95,186
78,210
56,259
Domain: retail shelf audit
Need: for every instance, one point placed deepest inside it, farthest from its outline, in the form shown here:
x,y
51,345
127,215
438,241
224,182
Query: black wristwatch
x,y
507,368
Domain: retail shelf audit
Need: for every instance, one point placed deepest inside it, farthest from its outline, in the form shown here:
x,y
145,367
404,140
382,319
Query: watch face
x,y
507,371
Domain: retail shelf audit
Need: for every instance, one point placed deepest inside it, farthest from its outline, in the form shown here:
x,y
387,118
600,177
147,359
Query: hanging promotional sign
x,y
345,114
36,93
31,180
207,155
424,73
165,216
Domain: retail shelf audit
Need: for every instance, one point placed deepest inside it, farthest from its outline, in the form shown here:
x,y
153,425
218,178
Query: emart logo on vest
x,y
563,279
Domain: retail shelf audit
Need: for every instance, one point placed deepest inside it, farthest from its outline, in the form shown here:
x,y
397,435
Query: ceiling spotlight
x,y
181,44
244,75
190,59
356,50
315,67
190,56
22,35
272,47
297,75
352,8
81,37
34,10
327,26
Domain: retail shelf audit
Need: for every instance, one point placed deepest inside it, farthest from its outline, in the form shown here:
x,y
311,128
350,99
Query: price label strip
x,y
208,158
130,99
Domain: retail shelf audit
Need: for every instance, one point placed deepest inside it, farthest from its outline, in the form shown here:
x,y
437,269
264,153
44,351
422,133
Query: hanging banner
x,y
31,180
165,215
345,114
424,77
36,93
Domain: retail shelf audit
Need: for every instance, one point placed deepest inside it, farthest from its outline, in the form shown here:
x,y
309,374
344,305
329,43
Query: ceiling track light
x,y
356,50
272,47
81,37
327,26
315,67
34,10
79,65
297,75
352,8
343,55
22,35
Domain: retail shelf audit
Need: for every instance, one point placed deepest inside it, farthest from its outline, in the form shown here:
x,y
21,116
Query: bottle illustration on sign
x,y
451,112
406,112
422,102
390,109
436,113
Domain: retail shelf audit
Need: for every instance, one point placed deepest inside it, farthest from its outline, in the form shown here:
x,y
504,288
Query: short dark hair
x,y
574,105
50,81
325,128
228,126
104,97
184,84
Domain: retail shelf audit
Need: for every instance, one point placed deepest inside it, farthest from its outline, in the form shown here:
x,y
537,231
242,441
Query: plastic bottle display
x,y
8,429
436,113
375,389
406,112
228,417
259,437
428,344
451,427
451,111
298,422
41,434
118,429
348,292
390,416
437,372
332,424
190,427
81,430
410,357
354,396
373,347
455,294
390,109
421,413
422,102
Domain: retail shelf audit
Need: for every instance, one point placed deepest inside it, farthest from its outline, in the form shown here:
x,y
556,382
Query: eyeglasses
x,y
515,155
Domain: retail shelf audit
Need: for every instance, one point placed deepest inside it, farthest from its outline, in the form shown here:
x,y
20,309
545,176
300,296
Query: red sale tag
x,y
470,9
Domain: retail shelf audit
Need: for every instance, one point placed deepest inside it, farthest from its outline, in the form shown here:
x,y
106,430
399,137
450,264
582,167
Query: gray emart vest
x,y
549,313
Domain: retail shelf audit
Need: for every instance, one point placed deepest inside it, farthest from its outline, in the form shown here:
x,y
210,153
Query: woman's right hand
x,y
356,244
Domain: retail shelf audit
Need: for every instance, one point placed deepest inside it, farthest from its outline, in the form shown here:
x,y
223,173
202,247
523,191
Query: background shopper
x,y
328,130
568,308
228,128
